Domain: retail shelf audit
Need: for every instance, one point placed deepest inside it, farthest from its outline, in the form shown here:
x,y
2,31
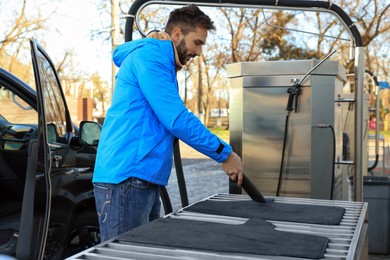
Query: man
x,y
135,150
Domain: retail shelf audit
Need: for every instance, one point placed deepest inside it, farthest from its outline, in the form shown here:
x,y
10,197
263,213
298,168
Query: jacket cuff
x,y
223,151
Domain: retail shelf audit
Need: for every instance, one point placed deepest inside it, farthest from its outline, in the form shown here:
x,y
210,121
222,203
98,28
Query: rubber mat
x,y
271,210
256,236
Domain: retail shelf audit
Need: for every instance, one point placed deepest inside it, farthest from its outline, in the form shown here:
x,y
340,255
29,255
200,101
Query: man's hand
x,y
233,168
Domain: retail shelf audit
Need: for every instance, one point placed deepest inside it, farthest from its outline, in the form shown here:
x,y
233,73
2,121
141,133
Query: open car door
x,y
45,155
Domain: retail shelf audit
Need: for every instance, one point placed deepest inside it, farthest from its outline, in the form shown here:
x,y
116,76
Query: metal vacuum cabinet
x,y
260,124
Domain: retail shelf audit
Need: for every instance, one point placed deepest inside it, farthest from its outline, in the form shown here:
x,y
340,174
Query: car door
x,y
45,158
18,127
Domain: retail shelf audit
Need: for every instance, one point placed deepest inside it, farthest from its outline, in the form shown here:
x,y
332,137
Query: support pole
x,y
360,160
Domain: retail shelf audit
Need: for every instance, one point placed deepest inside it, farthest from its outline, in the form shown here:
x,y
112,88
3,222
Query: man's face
x,y
191,44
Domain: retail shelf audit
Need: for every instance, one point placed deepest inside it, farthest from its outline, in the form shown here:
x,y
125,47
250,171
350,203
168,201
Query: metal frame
x,y
346,239
310,6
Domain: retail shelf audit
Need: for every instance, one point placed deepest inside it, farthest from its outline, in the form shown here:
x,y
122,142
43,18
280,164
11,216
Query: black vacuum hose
x,y
374,78
292,104
333,162
180,173
180,181
166,201
283,154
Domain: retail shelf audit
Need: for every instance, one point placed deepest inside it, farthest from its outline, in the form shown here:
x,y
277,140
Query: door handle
x,y
78,170
57,159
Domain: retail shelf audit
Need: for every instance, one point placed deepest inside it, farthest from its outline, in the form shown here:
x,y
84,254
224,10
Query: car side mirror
x,y
90,132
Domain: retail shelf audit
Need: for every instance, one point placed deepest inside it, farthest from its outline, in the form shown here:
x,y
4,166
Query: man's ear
x,y
177,35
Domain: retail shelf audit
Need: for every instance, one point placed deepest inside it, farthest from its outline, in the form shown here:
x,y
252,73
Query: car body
x,y
47,203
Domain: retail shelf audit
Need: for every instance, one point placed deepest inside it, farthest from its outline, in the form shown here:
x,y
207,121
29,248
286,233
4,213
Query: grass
x,y
221,133
386,134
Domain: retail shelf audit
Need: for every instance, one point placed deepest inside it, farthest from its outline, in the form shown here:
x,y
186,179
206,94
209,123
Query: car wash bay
x,y
301,217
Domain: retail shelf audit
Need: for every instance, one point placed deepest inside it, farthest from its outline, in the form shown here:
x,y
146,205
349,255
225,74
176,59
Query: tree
x,y
16,38
21,28
70,73
372,20
113,29
242,48
374,25
251,34
213,64
100,92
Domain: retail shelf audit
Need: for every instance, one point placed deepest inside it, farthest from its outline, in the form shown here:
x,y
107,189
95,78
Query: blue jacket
x,y
146,115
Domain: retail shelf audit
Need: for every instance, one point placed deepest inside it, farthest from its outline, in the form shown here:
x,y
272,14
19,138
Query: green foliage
x,y
221,133
386,134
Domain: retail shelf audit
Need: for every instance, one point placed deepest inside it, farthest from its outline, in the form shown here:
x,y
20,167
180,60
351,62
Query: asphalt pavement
x,y
203,176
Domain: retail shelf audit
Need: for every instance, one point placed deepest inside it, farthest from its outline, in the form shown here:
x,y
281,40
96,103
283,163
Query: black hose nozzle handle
x,y
252,191
293,92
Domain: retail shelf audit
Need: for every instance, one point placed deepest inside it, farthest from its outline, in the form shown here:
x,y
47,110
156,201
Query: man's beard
x,y
182,51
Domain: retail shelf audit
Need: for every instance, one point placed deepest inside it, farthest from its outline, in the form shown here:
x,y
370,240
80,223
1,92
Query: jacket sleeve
x,y
156,75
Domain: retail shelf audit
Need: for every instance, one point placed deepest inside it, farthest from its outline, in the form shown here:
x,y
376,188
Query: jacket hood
x,y
121,52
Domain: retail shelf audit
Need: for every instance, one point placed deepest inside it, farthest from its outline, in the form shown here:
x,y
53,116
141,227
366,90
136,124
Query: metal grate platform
x,y
347,240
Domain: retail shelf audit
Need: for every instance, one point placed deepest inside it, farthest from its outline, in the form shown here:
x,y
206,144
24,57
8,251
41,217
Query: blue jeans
x,y
124,206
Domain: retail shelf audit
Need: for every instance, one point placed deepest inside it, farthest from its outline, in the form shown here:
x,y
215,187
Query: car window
x,y
15,110
18,121
54,103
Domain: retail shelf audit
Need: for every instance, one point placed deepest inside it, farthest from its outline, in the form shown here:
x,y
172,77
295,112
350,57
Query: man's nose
x,y
198,50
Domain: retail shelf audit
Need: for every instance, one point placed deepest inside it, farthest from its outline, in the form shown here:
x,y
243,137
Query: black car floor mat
x,y
271,210
256,236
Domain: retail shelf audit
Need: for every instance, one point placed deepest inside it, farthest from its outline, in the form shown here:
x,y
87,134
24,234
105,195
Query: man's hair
x,y
188,18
